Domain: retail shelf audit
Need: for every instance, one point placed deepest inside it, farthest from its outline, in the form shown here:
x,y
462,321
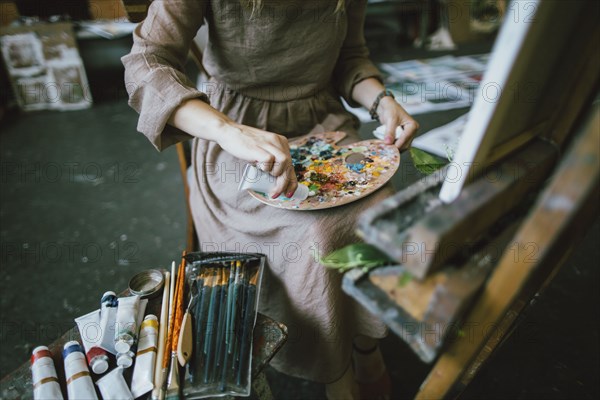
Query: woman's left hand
x,y
392,115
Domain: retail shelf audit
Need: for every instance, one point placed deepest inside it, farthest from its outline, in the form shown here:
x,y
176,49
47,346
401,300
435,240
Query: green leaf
x,y
425,162
358,255
404,279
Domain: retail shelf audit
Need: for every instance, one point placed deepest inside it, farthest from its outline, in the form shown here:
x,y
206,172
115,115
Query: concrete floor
x,y
87,202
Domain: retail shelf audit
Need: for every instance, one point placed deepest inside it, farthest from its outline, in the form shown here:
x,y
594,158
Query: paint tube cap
x,y
125,360
41,352
301,192
110,297
150,321
123,344
98,360
99,364
72,347
39,348
72,343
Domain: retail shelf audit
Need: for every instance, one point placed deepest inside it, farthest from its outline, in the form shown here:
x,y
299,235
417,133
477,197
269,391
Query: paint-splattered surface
x,y
336,175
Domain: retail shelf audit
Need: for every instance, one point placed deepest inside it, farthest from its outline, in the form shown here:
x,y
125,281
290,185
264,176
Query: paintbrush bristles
x,y
254,278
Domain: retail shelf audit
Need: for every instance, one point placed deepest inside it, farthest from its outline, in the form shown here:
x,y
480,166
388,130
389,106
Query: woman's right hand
x,y
269,151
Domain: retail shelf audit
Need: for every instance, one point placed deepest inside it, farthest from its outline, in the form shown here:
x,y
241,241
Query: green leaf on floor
x,y
425,162
358,255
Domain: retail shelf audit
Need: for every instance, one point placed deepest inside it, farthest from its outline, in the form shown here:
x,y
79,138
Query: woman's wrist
x,y
226,130
385,103
382,97
200,120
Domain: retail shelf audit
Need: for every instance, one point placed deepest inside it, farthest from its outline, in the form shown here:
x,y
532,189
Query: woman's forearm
x,y
365,92
199,119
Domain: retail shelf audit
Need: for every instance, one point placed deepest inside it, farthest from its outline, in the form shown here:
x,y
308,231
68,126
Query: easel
x,y
468,268
553,228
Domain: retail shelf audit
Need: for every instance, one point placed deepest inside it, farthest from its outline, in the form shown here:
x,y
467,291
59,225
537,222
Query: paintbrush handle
x,y
200,315
158,371
169,338
209,343
246,339
219,345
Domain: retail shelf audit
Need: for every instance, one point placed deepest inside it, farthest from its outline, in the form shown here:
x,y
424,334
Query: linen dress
x,y
282,69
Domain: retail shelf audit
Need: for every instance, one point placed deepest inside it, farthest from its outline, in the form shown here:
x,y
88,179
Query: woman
x,y
278,69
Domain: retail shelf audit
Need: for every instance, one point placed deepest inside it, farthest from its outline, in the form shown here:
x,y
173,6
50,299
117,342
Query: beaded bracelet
x,y
373,109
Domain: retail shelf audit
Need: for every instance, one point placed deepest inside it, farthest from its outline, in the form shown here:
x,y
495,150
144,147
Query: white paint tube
x,y
91,335
125,360
108,318
79,381
126,324
113,386
43,375
260,181
143,372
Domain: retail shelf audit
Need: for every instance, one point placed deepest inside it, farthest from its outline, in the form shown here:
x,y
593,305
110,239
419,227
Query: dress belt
x,y
272,93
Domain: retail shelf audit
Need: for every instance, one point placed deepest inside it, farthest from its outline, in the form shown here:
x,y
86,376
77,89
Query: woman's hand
x,y
392,115
268,151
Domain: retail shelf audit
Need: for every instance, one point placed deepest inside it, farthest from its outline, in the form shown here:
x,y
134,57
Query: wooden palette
x,y
336,175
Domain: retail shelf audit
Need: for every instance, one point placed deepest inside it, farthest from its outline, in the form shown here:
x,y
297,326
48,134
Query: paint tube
x,y
108,316
126,324
91,335
125,360
143,372
113,386
79,381
43,375
260,181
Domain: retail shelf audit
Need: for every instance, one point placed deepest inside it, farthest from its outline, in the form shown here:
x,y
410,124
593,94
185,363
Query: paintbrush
x,y
233,308
247,327
200,314
185,342
173,381
166,356
229,324
213,310
157,392
240,319
221,324
230,286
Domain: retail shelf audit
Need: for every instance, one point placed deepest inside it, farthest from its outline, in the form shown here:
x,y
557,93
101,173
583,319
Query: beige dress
x,y
281,69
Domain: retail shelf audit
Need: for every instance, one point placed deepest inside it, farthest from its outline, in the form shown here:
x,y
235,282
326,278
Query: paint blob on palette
x,y
336,175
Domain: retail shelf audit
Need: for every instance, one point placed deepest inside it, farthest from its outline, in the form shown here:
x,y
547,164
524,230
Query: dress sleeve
x,y
154,72
353,64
